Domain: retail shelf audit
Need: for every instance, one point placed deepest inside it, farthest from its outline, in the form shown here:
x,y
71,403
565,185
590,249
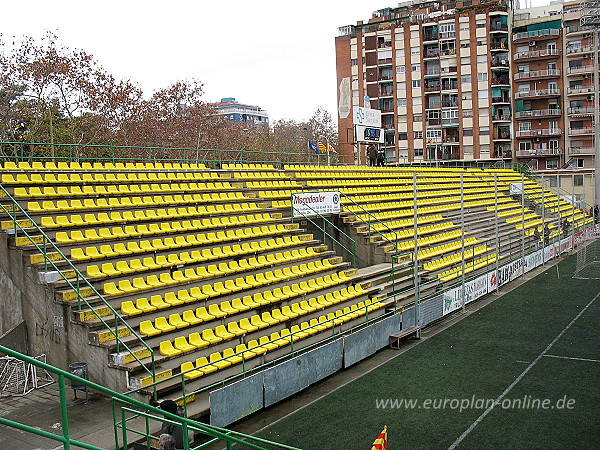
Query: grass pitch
x,y
535,351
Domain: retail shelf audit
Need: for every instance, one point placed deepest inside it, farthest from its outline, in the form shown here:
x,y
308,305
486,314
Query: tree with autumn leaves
x,y
56,95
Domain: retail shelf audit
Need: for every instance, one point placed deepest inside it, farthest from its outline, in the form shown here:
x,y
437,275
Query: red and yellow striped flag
x,y
322,147
381,441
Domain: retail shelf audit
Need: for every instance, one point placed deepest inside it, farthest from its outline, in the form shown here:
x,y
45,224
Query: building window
x,y
482,76
417,101
467,113
400,53
480,23
400,69
468,132
401,86
554,180
416,83
402,136
416,67
577,180
465,44
418,135
401,102
354,62
466,78
579,163
418,118
415,50
481,41
552,163
484,131
418,152
483,93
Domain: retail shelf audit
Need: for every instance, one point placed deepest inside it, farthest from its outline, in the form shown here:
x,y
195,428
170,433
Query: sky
x,y
278,55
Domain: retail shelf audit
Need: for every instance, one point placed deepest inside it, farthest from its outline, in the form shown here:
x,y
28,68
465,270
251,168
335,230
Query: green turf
x,y
478,357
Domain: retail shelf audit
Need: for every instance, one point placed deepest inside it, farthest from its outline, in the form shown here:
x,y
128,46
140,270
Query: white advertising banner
x,y
366,116
510,271
474,289
312,203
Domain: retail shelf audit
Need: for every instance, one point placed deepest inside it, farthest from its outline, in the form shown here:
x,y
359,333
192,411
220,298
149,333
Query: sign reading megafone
x,y
313,203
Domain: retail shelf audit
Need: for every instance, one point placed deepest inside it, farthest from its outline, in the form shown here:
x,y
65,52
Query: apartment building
x,y
440,74
241,113
474,80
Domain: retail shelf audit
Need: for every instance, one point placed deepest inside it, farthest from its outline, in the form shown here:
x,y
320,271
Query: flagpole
x,y
327,147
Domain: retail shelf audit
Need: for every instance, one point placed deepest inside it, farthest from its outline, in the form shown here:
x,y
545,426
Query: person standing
x,y
372,155
380,157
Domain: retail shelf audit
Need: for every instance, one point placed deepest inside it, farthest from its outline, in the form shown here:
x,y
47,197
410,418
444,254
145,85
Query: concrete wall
x,y
10,295
15,338
48,323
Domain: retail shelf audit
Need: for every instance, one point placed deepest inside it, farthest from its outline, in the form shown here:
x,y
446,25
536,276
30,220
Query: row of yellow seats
x,y
143,305
62,165
405,223
121,189
224,332
517,209
197,256
477,264
247,166
100,178
409,232
278,193
216,311
92,234
126,202
265,175
428,240
91,219
530,224
454,259
522,218
219,288
242,352
134,247
438,250
272,184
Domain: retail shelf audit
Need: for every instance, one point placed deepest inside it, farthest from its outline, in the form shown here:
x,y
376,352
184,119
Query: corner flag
x,y
381,441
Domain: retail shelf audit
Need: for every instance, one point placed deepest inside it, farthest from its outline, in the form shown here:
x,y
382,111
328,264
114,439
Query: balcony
x,y
433,122
447,35
434,106
546,33
497,26
539,132
501,118
580,90
578,50
450,69
432,88
538,93
500,63
430,37
432,72
539,152
573,29
538,113
582,150
502,136
450,104
501,44
431,53
582,110
501,99
580,70
537,54
450,121
581,131
449,52
450,86
500,80
537,74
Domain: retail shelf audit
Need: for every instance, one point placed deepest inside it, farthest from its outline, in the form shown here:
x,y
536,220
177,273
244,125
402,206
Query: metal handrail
x,y
147,411
324,228
16,207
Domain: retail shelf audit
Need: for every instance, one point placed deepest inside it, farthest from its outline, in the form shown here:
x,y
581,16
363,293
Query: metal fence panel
x,y
236,400
363,343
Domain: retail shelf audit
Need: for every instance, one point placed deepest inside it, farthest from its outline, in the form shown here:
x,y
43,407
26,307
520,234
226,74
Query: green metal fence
x,y
126,410
81,282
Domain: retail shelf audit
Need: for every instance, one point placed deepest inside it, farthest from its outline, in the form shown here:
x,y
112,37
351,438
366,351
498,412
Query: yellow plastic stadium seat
x,y
181,343
166,348
158,302
147,328
176,320
256,348
143,305
221,331
161,324
203,365
202,313
245,324
190,317
196,340
217,360
234,328
129,308
229,353
209,336
189,371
